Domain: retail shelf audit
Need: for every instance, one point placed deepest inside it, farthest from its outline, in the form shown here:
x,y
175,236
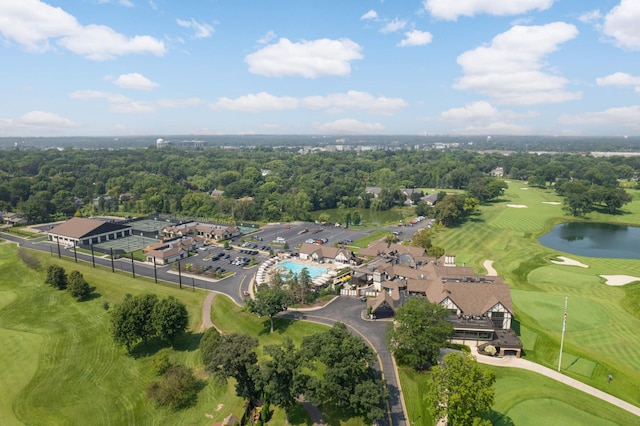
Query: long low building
x,y
79,230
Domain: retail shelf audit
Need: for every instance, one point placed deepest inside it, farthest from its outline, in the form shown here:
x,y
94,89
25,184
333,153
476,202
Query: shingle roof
x,y
80,227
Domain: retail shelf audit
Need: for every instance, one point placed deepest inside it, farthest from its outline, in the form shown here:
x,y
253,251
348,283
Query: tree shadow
x,y
280,325
92,295
500,419
186,342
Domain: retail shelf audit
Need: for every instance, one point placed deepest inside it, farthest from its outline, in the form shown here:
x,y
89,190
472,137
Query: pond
x,y
594,240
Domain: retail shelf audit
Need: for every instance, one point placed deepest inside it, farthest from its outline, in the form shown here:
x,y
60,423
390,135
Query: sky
x,y
325,67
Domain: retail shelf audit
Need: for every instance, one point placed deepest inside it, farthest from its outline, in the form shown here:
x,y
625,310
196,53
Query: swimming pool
x,y
296,268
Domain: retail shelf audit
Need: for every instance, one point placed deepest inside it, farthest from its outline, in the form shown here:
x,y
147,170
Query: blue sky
x,y
168,67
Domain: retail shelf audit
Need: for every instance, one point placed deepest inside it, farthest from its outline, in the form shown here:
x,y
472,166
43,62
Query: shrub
x,y
178,388
490,350
30,260
162,362
78,286
56,277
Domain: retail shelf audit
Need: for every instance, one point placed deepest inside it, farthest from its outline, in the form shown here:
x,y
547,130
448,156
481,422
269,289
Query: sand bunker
x,y
517,206
555,203
488,265
569,262
617,280
524,188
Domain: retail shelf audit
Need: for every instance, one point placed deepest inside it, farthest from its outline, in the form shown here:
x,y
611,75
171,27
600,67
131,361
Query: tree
x,y
78,286
356,219
209,343
281,377
269,300
348,379
170,318
56,277
419,331
131,320
462,391
422,238
612,198
235,357
177,389
123,323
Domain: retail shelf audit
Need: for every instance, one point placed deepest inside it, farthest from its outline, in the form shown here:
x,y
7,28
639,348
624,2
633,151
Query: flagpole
x,y
564,326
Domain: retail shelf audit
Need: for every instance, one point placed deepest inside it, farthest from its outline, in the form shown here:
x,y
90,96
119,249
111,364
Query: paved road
x,y
349,311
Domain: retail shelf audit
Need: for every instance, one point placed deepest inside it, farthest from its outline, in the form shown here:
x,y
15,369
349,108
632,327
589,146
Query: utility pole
x,y
112,267
564,326
133,271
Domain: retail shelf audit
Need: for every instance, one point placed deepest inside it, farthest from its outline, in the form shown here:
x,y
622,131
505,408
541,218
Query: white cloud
x,y
333,103
348,126
125,3
628,117
259,102
35,25
372,14
179,103
267,38
135,81
620,79
310,59
416,38
200,29
590,17
621,23
353,99
481,117
124,105
512,69
452,9
36,122
393,26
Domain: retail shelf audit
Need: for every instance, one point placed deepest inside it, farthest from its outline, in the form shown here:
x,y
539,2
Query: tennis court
x,y
149,226
127,244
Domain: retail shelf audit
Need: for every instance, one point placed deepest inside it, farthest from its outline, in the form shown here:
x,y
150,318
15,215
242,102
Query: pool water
x,y
296,268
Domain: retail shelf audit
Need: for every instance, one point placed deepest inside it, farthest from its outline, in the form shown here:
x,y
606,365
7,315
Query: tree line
x,y
266,183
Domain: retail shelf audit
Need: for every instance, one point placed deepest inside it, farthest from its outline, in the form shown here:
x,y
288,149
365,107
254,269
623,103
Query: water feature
x,y
594,240
295,267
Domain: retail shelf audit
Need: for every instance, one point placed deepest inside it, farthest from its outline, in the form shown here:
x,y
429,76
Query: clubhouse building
x,y
480,306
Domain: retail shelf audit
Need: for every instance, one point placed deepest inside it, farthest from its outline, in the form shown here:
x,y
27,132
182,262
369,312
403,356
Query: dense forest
x,y
275,184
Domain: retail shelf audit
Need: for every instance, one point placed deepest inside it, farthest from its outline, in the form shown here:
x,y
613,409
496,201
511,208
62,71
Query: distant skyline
x,y
214,67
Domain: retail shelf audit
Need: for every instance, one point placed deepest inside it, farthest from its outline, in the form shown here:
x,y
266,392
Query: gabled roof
x,y
324,251
472,298
80,227
381,299
380,247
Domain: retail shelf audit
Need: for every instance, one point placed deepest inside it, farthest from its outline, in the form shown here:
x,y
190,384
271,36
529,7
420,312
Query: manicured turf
x,y
59,365
523,398
602,321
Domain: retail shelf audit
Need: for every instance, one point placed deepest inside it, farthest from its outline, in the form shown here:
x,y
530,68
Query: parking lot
x,y
214,257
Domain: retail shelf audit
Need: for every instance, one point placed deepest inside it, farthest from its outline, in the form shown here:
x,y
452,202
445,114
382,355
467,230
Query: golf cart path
x,y
513,362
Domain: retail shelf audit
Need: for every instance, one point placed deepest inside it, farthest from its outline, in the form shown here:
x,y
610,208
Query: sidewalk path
x,y
513,362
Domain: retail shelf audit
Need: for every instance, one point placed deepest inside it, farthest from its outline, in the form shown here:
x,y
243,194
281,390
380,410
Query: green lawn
x,y
523,398
60,365
602,321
